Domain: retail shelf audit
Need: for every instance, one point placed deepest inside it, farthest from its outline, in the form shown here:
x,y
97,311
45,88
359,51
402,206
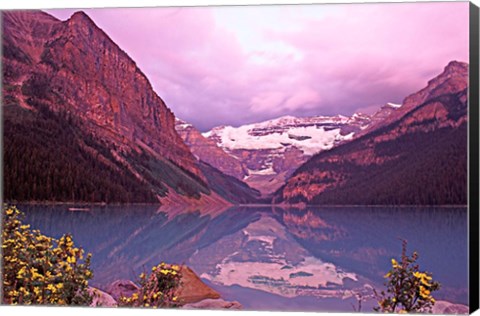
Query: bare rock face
x,y
415,141
208,151
82,71
451,81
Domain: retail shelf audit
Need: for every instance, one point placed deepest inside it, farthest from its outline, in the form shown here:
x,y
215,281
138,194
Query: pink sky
x,y
235,65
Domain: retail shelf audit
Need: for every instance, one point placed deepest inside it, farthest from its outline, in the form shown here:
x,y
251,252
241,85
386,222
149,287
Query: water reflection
x,y
314,252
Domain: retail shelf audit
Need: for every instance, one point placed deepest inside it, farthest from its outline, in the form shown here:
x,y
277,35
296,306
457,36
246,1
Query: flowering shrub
x,y
41,270
408,289
159,289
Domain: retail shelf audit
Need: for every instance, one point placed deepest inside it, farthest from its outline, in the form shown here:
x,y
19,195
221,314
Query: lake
x,y
270,258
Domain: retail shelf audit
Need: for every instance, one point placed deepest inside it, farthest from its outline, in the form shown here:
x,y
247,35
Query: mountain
x,y
267,153
208,151
415,155
82,122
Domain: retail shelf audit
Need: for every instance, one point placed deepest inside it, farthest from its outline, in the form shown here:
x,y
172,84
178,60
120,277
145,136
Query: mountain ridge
x,y
428,133
90,108
116,137
269,151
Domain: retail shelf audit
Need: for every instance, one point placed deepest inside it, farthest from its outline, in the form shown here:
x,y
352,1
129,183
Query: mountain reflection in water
x,y
268,257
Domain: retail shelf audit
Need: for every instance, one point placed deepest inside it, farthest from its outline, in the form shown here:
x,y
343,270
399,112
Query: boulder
x,y
192,289
101,298
213,304
122,288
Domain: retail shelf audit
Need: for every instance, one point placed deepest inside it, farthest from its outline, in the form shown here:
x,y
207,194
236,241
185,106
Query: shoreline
x,y
253,205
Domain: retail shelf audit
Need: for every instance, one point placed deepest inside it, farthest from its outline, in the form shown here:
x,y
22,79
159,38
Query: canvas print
x,y
281,158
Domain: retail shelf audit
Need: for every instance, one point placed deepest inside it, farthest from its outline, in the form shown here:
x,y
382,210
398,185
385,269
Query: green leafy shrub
x,y
408,289
41,270
159,289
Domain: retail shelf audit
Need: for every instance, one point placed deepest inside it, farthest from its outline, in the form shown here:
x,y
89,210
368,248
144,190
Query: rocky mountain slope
x,y
208,151
82,122
416,155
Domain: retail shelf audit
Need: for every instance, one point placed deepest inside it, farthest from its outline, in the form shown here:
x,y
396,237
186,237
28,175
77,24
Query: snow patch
x,y
394,105
207,134
244,137
264,172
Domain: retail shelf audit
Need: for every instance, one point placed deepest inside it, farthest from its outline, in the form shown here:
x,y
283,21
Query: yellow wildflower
x,y
13,293
425,282
424,278
424,292
21,272
36,290
394,263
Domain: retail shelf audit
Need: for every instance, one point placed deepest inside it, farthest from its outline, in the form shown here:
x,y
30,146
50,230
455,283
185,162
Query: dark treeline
x,y
232,189
426,165
428,169
43,161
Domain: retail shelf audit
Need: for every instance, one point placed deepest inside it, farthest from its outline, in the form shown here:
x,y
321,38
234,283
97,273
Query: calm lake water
x,y
270,258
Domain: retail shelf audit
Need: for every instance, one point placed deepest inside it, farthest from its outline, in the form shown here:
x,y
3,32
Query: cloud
x,y
236,65
371,54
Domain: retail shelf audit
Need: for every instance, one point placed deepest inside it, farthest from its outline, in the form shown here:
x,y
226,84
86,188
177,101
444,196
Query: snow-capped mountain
x,y
310,135
270,151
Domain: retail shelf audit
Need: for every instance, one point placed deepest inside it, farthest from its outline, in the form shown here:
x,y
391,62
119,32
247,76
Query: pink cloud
x,y
378,47
213,68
